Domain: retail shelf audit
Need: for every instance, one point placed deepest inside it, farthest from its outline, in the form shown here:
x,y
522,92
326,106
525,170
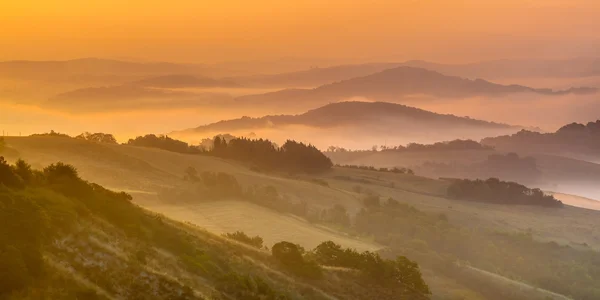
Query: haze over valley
x,y
300,150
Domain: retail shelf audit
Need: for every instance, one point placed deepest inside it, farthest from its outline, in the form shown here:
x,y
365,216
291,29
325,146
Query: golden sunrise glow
x,y
211,31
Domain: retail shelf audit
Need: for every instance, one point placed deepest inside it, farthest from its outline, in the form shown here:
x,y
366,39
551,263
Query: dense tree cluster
x,y
162,142
51,133
98,137
293,257
291,156
401,271
501,192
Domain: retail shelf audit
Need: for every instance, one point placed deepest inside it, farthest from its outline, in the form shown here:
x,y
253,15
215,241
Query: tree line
x,y
494,190
457,144
261,154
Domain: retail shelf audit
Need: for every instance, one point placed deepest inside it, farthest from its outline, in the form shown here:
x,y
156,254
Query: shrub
x,y
291,256
256,241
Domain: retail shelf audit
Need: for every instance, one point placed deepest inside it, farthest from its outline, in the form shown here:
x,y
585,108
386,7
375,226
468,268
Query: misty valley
x,y
300,150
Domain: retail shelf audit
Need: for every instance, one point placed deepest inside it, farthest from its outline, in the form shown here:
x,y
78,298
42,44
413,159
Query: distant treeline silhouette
x,y
261,153
371,168
439,146
163,142
493,190
574,136
292,156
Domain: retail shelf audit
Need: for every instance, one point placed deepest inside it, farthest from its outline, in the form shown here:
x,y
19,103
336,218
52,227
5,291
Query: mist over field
x,y
300,150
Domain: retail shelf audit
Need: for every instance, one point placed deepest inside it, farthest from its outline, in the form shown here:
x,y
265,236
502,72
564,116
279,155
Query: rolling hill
x,y
394,85
184,81
498,69
115,98
145,172
368,120
581,141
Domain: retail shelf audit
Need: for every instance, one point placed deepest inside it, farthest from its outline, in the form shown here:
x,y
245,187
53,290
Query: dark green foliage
x,y
501,192
14,274
247,287
437,244
98,137
292,257
7,176
263,154
23,170
291,157
401,272
163,142
256,241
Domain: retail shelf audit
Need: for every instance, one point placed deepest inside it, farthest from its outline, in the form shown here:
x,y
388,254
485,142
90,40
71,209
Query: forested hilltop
x,y
263,154
62,237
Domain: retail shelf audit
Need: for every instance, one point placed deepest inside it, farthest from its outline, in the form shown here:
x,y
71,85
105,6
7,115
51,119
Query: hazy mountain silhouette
x,y
575,140
507,68
96,67
184,81
362,118
496,69
394,84
129,97
315,76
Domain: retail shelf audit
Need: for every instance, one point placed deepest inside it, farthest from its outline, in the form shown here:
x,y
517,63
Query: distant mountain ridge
x,y
493,69
342,114
394,84
184,81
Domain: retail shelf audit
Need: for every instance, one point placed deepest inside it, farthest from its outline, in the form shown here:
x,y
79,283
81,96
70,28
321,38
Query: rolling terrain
x,y
550,172
398,85
370,122
145,172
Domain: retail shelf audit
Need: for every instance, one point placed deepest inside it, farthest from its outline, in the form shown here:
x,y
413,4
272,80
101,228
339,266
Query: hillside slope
x,y
65,238
431,228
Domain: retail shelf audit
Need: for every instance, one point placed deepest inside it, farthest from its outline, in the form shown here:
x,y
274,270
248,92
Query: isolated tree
x,y
191,174
288,253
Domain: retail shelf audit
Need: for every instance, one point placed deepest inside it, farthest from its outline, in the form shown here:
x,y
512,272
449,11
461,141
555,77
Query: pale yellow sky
x,y
351,30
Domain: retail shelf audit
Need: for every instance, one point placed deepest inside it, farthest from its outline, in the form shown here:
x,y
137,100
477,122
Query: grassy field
x,y
230,216
557,173
143,172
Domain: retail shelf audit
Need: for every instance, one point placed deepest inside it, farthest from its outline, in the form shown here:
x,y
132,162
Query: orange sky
x,y
344,30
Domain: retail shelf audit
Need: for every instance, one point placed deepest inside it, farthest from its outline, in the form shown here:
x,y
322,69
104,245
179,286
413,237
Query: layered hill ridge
x,y
395,83
351,113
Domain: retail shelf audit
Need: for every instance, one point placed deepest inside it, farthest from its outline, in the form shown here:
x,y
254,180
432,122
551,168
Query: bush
x,y
402,271
291,256
256,241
